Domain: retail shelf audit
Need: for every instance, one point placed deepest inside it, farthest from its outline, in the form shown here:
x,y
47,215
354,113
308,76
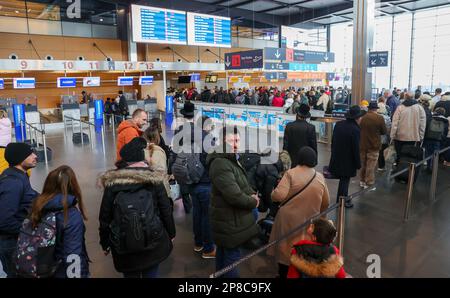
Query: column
x,y
132,47
363,25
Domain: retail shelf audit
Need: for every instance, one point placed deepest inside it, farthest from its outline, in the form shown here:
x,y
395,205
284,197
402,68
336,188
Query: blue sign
x,y
271,76
19,119
378,59
98,114
318,57
125,81
24,83
244,60
169,105
282,75
2,84
274,54
276,66
159,25
208,30
195,77
65,82
303,67
145,80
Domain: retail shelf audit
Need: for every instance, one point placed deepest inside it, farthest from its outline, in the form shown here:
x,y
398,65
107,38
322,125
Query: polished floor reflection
x,y
418,248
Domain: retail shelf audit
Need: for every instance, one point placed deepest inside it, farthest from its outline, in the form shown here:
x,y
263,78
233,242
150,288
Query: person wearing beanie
x,y
317,257
372,128
135,184
299,133
16,195
302,194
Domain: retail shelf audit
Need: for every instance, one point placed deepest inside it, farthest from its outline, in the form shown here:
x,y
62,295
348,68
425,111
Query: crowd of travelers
x,y
231,193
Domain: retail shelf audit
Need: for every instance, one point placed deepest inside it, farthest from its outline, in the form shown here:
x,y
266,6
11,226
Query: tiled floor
x,y
418,248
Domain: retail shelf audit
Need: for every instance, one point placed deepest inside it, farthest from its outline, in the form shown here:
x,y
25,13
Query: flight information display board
x,y
157,25
208,30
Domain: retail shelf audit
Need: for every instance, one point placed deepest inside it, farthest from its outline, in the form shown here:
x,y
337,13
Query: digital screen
x,y
66,82
157,25
211,79
208,30
184,79
2,84
91,82
195,77
125,81
24,83
145,80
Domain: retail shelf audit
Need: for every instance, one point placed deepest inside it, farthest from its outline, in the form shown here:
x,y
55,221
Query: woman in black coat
x,y
345,158
140,238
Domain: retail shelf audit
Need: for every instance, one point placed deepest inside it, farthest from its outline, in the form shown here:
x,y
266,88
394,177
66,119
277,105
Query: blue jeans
x,y
226,257
152,272
447,153
200,194
7,248
430,147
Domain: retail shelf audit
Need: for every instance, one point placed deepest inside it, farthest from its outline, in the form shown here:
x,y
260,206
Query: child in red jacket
x,y
318,258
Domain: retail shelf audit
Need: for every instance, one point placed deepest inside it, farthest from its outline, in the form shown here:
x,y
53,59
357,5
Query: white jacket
x,y
5,132
409,122
324,99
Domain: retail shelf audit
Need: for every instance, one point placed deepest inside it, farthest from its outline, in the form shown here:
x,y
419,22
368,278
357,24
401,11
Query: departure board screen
x,y
208,30
157,25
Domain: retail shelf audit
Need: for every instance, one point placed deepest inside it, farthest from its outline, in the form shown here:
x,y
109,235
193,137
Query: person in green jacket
x,y
232,202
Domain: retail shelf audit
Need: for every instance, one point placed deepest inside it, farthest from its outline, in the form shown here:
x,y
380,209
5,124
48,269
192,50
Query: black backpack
x,y
136,226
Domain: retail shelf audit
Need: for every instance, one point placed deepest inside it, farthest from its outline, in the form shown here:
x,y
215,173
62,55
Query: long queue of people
x,y
321,98
42,235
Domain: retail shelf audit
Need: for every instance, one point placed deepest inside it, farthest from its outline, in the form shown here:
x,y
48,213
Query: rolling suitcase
x,y
76,138
408,154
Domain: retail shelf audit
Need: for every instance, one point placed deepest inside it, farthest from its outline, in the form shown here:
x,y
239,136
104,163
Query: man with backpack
x,y
16,195
435,134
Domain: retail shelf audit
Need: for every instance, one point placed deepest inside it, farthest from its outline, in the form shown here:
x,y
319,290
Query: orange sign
x,y
306,75
289,55
234,79
247,79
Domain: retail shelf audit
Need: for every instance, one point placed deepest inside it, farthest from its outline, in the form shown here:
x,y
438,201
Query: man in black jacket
x,y
16,195
345,151
123,106
299,133
206,95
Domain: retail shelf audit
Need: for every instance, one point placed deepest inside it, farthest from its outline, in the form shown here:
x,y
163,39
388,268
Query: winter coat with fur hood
x,y
130,180
314,260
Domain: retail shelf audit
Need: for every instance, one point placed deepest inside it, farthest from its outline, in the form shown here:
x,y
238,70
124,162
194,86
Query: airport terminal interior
x,y
73,73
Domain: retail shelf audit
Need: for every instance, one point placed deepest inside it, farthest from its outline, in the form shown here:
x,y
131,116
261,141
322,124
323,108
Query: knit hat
x,y
307,157
134,150
16,153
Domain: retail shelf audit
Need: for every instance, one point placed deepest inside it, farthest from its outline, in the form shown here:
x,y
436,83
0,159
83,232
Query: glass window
x,y
401,50
382,42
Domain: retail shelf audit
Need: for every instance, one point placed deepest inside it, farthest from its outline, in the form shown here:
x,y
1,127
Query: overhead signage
x,y
158,25
145,80
270,76
378,59
276,66
233,79
24,83
318,57
282,75
91,82
244,60
247,79
303,67
125,81
274,54
299,56
208,30
65,82
2,84
306,75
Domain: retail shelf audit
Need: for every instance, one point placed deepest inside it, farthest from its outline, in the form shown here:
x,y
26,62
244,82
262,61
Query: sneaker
x,y
209,255
381,170
362,184
348,204
198,248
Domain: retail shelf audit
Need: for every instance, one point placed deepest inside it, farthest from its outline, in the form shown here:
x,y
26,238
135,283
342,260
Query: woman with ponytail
x,y
61,194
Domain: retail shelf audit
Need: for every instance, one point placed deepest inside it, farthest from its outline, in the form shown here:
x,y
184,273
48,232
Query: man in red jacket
x,y
318,258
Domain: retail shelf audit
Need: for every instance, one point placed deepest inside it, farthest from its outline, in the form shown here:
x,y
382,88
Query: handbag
x,y
327,174
175,192
390,154
300,191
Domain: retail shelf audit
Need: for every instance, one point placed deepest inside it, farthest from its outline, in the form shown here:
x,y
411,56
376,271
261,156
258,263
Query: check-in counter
x,y
32,114
132,106
71,110
264,118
